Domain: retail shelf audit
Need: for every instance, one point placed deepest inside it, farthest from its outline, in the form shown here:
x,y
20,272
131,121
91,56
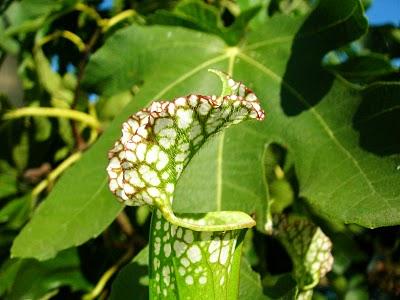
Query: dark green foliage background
x,y
328,149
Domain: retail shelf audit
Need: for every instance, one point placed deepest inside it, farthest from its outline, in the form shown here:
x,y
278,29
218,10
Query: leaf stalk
x,y
53,112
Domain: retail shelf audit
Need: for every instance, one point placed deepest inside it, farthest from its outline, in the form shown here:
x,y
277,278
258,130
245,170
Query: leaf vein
x,y
313,110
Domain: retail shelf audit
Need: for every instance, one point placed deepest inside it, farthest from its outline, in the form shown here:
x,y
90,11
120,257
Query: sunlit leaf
x,y
200,16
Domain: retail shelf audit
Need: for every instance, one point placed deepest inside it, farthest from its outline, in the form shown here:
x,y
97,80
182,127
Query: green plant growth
x,y
303,205
191,255
198,255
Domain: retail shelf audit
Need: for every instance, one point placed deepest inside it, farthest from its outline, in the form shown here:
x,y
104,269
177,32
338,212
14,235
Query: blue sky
x,y
384,12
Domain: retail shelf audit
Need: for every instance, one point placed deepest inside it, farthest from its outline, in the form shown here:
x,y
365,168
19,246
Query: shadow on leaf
x,y
378,119
305,81
132,281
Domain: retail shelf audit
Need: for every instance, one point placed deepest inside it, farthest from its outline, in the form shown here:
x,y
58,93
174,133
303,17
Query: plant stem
x,y
89,11
118,18
125,224
53,112
53,176
107,275
80,144
72,37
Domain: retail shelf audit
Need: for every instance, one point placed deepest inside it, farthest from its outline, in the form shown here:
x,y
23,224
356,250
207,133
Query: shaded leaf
x,y
281,195
28,15
109,107
383,39
250,283
42,129
355,294
42,126
61,95
309,249
16,212
20,152
133,279
35,279
8,273
7,43
8,180
365,69
281,286
51,81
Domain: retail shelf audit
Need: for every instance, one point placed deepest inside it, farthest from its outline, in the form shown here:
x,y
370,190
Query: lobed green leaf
x,y
329,127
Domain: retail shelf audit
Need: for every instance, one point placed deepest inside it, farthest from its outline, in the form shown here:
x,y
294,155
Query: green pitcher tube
x,y
188,264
